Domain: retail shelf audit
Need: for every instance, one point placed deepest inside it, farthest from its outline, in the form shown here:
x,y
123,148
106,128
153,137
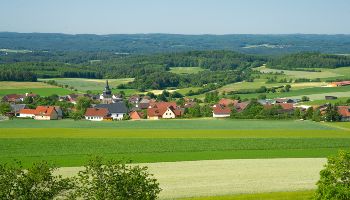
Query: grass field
x,y
39,91
228,177
70,143
186,70
83,84
323,101
298,195
316,93
23,85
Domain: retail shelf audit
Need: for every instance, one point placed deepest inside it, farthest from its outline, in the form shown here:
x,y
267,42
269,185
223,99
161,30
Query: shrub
x,y
334,182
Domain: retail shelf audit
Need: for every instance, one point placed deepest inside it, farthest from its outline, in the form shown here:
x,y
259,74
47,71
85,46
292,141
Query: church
x,y
106,97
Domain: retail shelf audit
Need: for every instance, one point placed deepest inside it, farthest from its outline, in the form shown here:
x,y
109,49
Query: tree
x,y
334,180
287,88
115,180
305,98
309,113
332,114
4,108
317,116
83,103
34,183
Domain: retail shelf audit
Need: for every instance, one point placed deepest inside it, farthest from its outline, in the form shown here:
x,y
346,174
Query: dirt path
x,y
221,177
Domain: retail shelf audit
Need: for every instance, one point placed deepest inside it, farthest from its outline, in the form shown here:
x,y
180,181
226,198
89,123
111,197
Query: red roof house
x,y
220,111
97,114
166,110
344,112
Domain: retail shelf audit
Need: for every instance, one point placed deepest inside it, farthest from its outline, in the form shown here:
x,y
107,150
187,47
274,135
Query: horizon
x,y
194,17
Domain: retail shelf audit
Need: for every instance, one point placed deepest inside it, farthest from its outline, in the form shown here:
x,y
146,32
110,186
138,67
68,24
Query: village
x,y
115,107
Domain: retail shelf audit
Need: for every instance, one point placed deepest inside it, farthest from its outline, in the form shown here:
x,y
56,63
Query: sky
x,y
176,16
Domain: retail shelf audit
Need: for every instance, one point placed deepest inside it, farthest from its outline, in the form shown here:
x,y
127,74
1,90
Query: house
x,y
221,111
135,115
286,107
46,113
117,109
190,104
15,108
241,106
344,112
41,113
143,103
97,114
228,102
134,99
26,113
13,98
286,100
339,84
164,110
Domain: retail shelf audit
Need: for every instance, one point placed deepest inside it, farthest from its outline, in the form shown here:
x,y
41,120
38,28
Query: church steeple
x,y
107,90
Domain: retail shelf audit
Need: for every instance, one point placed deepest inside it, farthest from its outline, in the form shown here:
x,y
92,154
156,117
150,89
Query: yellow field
x,y
226,177
23,85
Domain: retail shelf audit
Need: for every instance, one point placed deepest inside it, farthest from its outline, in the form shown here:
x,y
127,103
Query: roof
x,y
160,110
344,111
227,102
286,106
118,107
241,106
162,104
221,110
342,83
136,115
27,111
17,107
45,110
100,112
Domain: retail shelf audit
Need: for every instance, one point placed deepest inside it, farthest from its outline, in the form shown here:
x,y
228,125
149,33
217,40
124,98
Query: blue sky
x,y
176,16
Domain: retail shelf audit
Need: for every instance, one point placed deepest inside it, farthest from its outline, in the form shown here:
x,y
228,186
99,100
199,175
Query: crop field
x,y
225,177
186,70
317,92
23,85
39,91
70,143
83,84
304,74
261,82
297,195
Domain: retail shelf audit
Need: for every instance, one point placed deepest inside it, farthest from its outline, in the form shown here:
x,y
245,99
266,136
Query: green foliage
x,y
334,183
4,108
115,180
83,103
211,97
310,60
332,114
34,183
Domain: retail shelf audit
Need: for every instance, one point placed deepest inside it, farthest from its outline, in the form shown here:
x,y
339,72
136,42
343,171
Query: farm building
x,y
344,112
17,98
15,108
221,111
339,84
42,113
97,114
117,110
228,102
330,97
164,110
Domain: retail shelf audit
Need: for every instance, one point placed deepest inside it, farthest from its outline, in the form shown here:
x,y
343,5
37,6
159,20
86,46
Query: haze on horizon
x,y
176,16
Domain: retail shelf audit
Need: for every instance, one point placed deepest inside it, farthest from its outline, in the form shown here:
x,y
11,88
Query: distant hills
x,y
165,43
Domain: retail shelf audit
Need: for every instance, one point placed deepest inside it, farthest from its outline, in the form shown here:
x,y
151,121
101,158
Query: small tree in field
x,y
34,183
335,178
115,180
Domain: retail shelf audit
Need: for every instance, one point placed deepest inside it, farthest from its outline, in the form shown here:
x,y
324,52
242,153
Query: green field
x,y
186,70
70,143
39,91
298,195
83,84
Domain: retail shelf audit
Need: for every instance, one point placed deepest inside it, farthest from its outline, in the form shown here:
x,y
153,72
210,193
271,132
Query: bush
x,y
35,183
115,180
334,182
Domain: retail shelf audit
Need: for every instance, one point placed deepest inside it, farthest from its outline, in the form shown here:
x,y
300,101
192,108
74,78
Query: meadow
x,y
84,84
70,143
40,88
186,70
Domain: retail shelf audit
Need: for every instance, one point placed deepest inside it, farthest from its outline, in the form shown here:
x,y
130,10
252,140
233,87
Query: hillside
x,y
161,43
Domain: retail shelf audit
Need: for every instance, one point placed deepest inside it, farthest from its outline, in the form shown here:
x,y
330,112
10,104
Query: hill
x,y
162,43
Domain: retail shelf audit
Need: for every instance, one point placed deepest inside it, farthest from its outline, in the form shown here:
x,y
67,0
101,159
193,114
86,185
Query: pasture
x,y
23,85
84,84
40,88
70,143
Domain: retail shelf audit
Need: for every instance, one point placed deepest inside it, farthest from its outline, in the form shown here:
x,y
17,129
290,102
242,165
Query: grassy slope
x,y
70,143
298,195
186,70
